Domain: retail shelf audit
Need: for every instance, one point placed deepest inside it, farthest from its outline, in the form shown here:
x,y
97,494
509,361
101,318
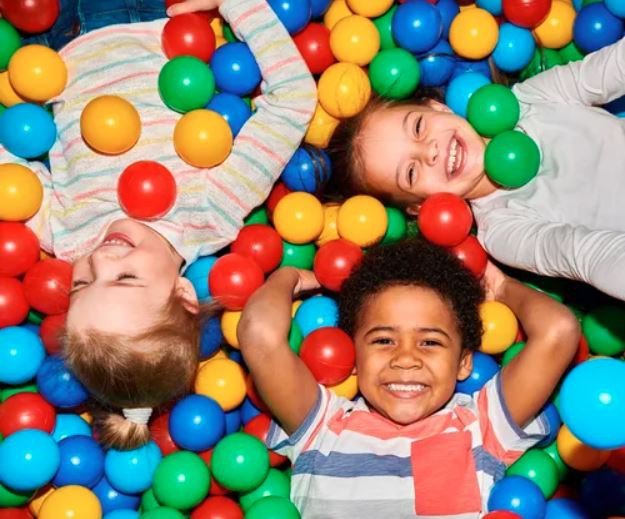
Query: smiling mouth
x,y
405,391
456,157
117,239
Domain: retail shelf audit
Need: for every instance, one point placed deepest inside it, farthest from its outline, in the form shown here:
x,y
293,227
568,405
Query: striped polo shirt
x,y
349,461
80,191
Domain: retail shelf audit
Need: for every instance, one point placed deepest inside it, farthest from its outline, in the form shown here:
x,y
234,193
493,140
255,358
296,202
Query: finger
x,y
190,6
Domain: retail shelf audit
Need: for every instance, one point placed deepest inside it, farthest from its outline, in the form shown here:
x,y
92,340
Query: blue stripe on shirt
x,y
341,465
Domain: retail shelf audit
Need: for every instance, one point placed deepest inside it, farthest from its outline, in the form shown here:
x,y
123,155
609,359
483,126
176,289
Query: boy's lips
x,y
405,390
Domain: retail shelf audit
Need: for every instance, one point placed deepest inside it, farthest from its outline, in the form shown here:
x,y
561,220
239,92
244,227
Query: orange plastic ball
x,y
556,30
329,232
578,455
37,73
355,39
20,193
229,322
8,95
369,8
474,33
321,128
298,217
346,389
223,380
71,502
500,327
344,89
336,12
363,220
203,138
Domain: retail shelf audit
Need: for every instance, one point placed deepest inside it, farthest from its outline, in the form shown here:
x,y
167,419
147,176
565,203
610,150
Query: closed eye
x,y
121,277
385,341
418,125
410,175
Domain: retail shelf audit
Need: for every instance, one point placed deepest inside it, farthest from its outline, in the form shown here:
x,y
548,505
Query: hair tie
x,y
138,415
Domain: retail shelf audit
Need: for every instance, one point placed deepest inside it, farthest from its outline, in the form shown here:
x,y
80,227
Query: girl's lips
x,y
463,159
117,237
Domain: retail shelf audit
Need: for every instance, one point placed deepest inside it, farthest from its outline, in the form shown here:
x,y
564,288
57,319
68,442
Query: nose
x,y
101,260
428,152
406,357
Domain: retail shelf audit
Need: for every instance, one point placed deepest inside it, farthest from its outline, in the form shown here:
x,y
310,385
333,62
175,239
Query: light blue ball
x,y
494,7
21,355
197,273
484,368
235,69
70,425
417,26
460,90
316,312
514,49
616,7
122,514
27,130
132,471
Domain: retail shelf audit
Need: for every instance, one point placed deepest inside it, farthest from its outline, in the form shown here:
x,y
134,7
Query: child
x,y
409,445
133,325
567,222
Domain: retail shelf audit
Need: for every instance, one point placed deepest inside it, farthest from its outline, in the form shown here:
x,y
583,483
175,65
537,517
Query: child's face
x,y
408,353
411,152
123,284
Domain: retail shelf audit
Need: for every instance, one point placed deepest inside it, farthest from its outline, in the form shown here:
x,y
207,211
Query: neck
x,y
484,187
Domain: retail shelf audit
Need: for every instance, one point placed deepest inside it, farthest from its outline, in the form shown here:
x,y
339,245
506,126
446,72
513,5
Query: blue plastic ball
x,y
466,65
111,499
294,14
233,421
307,170
616,107
616,7
248,411
550,411
484,368
448,9
519,495
197,423
232,108
494,7
21,355
460,90
563,508
211,338
197,273
122,514
132,471
236,356
595,27
316,312
592,402
28,460
438,65
514,49
235,69
417,26
319,7
27,130
70,425
603,493
58,385
82,462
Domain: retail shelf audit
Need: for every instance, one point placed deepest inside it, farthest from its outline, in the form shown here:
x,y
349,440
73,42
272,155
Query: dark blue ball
x,y
82,462
232,108
595,27
235,69
111,499
211,338
197,423
58,385
294,14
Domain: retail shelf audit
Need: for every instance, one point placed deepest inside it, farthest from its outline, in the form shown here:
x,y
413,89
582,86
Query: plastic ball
x,y
595,27
181,480
223,380
551,414
197,423
82,462
394,73
369,8
71,502
68,425
233,279
260,243
445,219
110,125
13,303
616,7
210,338
163,512
298,217
460,90
189,34
19,248
438,65
362,220
494,7
500,327
472,255
272,507
556,30
512,159
203,138
21,355
578,455
10,41
526,13
307,170
604,329
58,385
27,130
514,49
186,83
329,354
564,508
132,471
294,14
259,427
111,499
493,109
276,483
474,33
37,73
538,467
218,507
321,128
484,368
232,108
47,285
417,26
31,16
198,272
397,227
26,411
354,39
602,494
335,261
314,45
316,312
8,96
448,9
299,256
235,69
502,514
384,25
344,90
240,462
125,513
159,432
519,495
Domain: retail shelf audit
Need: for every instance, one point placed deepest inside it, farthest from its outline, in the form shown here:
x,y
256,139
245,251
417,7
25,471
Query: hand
x,y
192,6
493,281
306,282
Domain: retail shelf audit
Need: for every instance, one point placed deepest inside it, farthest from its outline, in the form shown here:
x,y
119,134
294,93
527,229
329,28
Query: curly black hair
x,y
418,263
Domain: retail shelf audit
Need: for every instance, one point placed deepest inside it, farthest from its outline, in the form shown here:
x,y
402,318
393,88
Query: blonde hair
x,y
141,371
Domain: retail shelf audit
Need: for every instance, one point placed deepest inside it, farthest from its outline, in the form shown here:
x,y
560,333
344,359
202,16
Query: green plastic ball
x,y
10,498
34,317
604,328
229,35
186,83
511,352
2,109
162,512
295,338
258,215
6,392
275,484
148,501
571,52
240,462
394,73
537,466
552,451
10,41
181,480
384,25
543,59
412,228
493,109
298,256
397,225
272,507
512,159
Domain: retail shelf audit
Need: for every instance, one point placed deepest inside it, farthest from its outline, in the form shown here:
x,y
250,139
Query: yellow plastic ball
x,y
219,354
500,327
37,502
219,41
20,192
203,138
474,33
229,322
369,8
110,125
8,95
223,380
355,39
556,31
37,73
347,389
578,455
298,217
330,232
71,502
87,417
296,304
321,128
217,25
335,13
362,219
344,89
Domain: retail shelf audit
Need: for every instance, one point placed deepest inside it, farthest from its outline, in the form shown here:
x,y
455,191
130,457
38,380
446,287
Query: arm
x,y
282,379
597,79
552,337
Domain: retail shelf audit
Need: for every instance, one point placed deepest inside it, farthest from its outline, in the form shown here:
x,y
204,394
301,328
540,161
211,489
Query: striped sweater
x,y
80,195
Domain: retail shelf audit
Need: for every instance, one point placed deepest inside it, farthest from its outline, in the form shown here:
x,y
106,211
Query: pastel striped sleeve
x,y
270,137
501,436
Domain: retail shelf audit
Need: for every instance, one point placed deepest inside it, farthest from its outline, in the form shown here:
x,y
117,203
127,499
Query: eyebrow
x,y
108,284
404,124
393,329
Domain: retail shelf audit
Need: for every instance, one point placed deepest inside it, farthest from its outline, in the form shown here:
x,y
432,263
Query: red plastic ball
x,y
583,351
189,34
335,261
218,507
445,219
50,332
19,248
472,254
502,514
47,285
26,411
215,489
259,427
252,394
15,513
159,431
526,13
329,354
146,190
13,303
233,279
278,192
31,16
313,44
261,243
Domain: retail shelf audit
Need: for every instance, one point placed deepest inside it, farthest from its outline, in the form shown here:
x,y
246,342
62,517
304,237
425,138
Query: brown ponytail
x,y
116,431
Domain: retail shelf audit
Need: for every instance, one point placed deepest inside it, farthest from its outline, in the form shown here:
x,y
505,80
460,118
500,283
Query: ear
x,y
354,371
413,208
466,365
438,106
186,293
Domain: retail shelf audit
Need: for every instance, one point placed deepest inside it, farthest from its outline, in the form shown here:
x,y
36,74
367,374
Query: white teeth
x,y
451,162
116,242
414,388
